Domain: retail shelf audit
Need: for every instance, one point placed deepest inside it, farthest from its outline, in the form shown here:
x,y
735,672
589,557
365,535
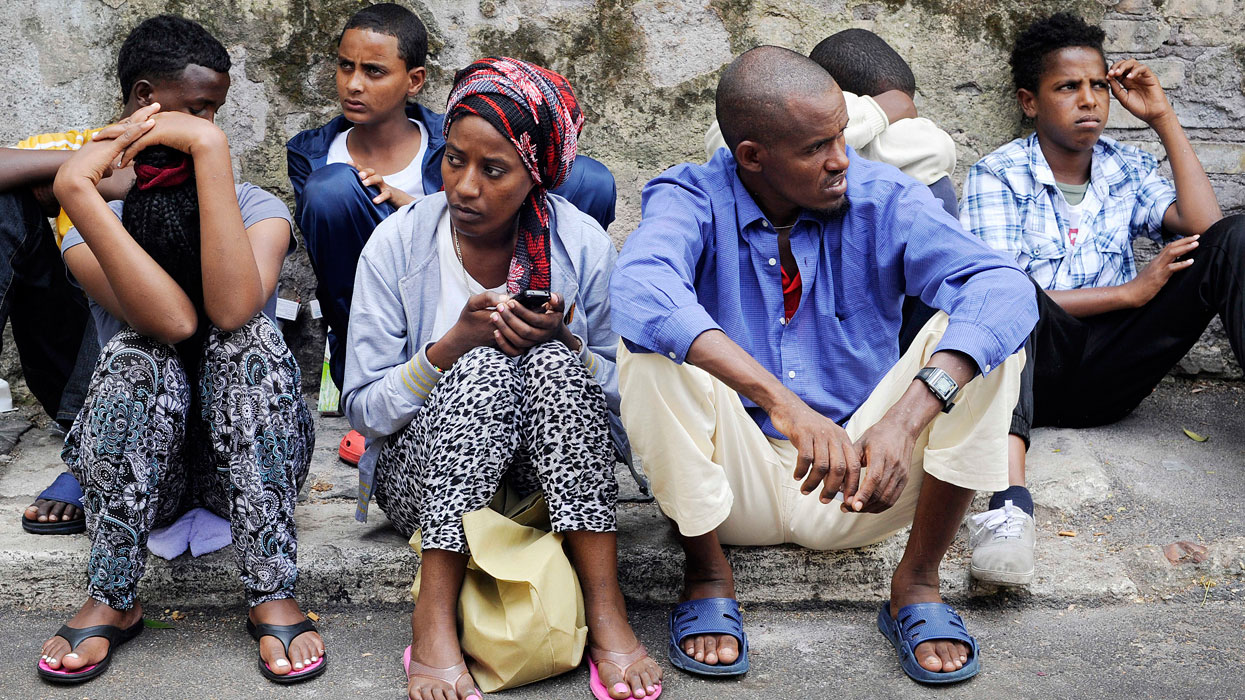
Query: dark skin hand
x,y
474,329
518,329
885,448
897,105
1135,293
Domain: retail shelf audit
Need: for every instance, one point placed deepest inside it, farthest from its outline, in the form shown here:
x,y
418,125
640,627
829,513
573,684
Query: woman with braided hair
x,y
480,351
195,400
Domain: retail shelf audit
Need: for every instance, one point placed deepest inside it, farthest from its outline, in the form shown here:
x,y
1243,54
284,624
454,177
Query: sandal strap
x,y
449,675
78,635
284,633
618,659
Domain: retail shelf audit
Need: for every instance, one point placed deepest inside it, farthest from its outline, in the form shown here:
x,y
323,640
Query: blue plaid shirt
x,y
1011,202
704,257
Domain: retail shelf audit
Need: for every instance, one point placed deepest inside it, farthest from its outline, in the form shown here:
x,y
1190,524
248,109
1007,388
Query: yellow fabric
x,y
711,467
521,610
63,141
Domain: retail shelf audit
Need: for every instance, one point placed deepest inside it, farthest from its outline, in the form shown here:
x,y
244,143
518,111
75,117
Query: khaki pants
x,y
711,467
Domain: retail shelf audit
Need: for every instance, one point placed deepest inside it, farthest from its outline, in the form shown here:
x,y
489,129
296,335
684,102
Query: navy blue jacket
x,y
590,185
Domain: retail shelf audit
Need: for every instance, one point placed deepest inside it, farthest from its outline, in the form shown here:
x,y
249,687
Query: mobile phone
x,y
533,299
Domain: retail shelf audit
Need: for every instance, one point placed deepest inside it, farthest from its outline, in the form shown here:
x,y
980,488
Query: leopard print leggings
x,y
147,446
539,420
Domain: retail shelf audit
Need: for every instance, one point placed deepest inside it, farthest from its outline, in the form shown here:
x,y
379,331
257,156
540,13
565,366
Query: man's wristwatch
x,y
941,385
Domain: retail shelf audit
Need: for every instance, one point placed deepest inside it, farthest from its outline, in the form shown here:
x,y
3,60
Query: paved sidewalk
x,y
1126,491
1180,649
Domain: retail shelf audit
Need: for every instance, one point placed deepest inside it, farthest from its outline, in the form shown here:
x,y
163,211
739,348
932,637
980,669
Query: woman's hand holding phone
x,y
518,329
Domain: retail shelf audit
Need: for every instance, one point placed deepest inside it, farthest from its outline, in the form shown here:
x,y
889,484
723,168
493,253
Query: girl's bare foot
x,y
305,650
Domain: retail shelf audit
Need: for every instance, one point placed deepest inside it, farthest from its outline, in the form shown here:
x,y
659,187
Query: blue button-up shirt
x,y
704,257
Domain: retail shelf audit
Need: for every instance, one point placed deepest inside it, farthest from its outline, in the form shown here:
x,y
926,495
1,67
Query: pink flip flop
x,y
286,634
450,676
623,662
75,636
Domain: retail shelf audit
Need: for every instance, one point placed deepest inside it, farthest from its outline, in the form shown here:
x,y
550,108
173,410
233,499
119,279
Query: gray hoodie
x,y
397,285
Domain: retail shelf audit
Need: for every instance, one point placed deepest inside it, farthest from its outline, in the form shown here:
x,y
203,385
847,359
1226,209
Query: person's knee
x,y
128,340
482,358
256,347
327,196
137,378
1230,233
553,361
330,183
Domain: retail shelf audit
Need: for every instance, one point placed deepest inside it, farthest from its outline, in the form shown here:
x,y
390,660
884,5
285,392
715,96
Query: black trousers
x,y
1091,371
56,341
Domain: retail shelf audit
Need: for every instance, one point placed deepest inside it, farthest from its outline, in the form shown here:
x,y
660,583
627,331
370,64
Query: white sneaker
x,y
1003,540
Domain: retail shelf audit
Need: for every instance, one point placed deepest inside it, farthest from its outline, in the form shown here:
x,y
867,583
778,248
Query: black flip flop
x,y
64,489
75,636
286,634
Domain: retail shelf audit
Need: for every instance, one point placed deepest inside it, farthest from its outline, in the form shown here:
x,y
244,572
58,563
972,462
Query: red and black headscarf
x,y
536,109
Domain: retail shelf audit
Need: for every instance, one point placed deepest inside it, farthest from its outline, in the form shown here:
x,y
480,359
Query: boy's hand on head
x,y
179,131
897,105
1137,88
393,195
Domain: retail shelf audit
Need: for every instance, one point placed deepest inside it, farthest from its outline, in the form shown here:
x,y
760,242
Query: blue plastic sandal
x,y
694,618
922,622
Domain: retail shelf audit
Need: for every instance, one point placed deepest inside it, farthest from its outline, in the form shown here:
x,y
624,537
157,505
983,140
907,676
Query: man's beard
x,y
835,208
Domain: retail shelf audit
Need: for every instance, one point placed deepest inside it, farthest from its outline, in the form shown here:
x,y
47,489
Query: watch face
x,y
944,384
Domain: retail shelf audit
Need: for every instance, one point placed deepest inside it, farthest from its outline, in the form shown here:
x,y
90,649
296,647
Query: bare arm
x,y
1138,90
20,167
1196,207
896,104
233,288
1134,293
1092,301
113,269
826,454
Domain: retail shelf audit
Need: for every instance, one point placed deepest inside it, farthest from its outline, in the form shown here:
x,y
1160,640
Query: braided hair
x,y
161,213
164,220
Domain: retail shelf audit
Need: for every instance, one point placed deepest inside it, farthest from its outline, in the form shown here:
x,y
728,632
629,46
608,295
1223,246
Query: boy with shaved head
x,y
762,383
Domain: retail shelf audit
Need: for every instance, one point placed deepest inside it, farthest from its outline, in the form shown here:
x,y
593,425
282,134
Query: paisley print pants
x,y
147,446
539,420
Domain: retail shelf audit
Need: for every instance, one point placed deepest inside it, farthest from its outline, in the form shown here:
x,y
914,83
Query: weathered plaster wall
x,y
645,71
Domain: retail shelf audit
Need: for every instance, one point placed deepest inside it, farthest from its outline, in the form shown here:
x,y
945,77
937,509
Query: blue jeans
x,y
56,340
337,218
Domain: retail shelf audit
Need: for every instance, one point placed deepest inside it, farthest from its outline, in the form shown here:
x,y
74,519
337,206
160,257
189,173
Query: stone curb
x,y
346,562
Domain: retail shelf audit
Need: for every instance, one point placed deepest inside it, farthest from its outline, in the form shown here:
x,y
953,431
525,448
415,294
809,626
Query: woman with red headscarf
x,y
480,352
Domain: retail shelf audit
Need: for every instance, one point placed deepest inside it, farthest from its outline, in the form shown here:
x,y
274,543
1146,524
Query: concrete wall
x,y
645,71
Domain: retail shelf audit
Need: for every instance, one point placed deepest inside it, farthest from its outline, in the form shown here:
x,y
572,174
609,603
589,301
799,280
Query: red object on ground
x,y
351,448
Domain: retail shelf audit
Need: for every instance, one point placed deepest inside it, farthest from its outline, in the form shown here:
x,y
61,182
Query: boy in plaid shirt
x,y
1067,202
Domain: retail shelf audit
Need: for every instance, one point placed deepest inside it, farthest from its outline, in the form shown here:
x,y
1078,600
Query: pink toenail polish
x,y
621,687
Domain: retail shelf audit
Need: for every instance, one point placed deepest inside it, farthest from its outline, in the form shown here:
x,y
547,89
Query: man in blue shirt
x,y
760,303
